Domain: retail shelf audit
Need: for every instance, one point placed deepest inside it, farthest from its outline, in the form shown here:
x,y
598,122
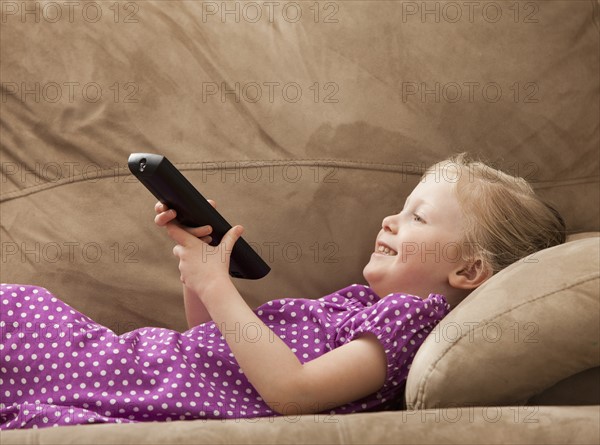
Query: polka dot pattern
x,y
59,367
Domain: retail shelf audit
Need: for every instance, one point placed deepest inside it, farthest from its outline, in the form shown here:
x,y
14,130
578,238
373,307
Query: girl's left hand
x,y
201,265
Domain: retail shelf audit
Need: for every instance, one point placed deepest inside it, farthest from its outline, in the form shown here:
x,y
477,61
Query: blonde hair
x,y
505,220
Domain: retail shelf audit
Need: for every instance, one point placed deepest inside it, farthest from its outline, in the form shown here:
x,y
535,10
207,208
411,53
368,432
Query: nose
x,y
390,224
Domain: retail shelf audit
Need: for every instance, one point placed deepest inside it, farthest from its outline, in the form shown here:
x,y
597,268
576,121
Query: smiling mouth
x,y
385,250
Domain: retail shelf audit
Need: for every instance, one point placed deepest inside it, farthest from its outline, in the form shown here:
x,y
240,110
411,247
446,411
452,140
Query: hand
x,y
164,215
202,266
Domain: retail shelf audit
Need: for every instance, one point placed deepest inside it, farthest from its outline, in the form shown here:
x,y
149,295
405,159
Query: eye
x,y
417,218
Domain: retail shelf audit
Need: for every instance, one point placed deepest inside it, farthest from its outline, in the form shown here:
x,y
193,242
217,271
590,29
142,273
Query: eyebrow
x,y
422,201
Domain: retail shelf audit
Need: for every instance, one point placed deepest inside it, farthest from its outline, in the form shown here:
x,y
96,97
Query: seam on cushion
x,y
406,168
222,165
431,368
564,182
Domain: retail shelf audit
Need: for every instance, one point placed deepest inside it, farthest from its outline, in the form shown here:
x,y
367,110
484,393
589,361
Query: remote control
x,y
171,188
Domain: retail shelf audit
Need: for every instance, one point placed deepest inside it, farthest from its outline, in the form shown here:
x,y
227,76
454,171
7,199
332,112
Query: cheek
x,y
409,252
452,252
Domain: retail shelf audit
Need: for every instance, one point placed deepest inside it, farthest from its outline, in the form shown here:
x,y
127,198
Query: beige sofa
x,y
309,122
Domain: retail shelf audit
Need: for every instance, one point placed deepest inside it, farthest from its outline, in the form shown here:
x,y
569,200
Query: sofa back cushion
x,y
310,176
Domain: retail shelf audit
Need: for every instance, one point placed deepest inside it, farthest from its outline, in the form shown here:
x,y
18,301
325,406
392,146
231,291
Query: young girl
x,y
347,352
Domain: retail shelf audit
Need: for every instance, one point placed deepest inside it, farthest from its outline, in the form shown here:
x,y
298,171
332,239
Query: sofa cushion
x,y
531,326
310,179
490,425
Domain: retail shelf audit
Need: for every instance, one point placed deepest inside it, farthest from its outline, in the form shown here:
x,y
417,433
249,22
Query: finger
x,y
200,232
165,217
179,235
159,207
212,203
207,239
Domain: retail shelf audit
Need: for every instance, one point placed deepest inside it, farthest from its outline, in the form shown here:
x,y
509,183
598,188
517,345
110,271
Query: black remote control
x,y
171,188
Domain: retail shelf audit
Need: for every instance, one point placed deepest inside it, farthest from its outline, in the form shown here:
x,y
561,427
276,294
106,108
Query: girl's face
x,y
418,249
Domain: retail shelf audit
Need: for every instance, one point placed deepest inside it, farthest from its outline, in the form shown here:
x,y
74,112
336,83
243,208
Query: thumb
x,y
231,238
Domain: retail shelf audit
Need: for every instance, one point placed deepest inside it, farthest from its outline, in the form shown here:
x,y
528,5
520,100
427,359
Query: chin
x,y
370,279
367,275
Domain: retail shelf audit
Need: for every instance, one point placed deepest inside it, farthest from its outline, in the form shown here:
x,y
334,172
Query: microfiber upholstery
x,y
308,132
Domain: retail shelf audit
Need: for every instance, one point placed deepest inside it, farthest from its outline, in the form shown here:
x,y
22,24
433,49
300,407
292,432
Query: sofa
x,y
308,122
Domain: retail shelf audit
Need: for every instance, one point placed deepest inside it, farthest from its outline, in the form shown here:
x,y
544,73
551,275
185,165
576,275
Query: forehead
x,y
434,188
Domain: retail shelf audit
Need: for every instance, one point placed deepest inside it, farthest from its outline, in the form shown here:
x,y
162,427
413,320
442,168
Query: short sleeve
x,y
401,323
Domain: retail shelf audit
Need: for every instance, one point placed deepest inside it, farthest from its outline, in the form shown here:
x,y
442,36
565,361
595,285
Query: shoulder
x,y
434,305
397,313
360,292
354,289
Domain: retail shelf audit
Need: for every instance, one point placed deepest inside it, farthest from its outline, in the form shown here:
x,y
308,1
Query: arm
x,y
195,312
348,373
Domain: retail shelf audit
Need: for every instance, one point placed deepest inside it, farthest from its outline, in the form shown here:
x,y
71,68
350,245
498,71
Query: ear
x,y
469,275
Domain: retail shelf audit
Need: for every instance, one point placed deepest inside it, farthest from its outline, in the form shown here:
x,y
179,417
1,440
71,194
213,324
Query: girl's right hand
x,y
165,215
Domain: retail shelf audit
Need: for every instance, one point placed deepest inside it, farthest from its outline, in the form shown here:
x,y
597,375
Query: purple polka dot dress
x,y
59,367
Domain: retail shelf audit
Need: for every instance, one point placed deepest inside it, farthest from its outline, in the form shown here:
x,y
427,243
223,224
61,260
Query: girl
x,y
347,352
